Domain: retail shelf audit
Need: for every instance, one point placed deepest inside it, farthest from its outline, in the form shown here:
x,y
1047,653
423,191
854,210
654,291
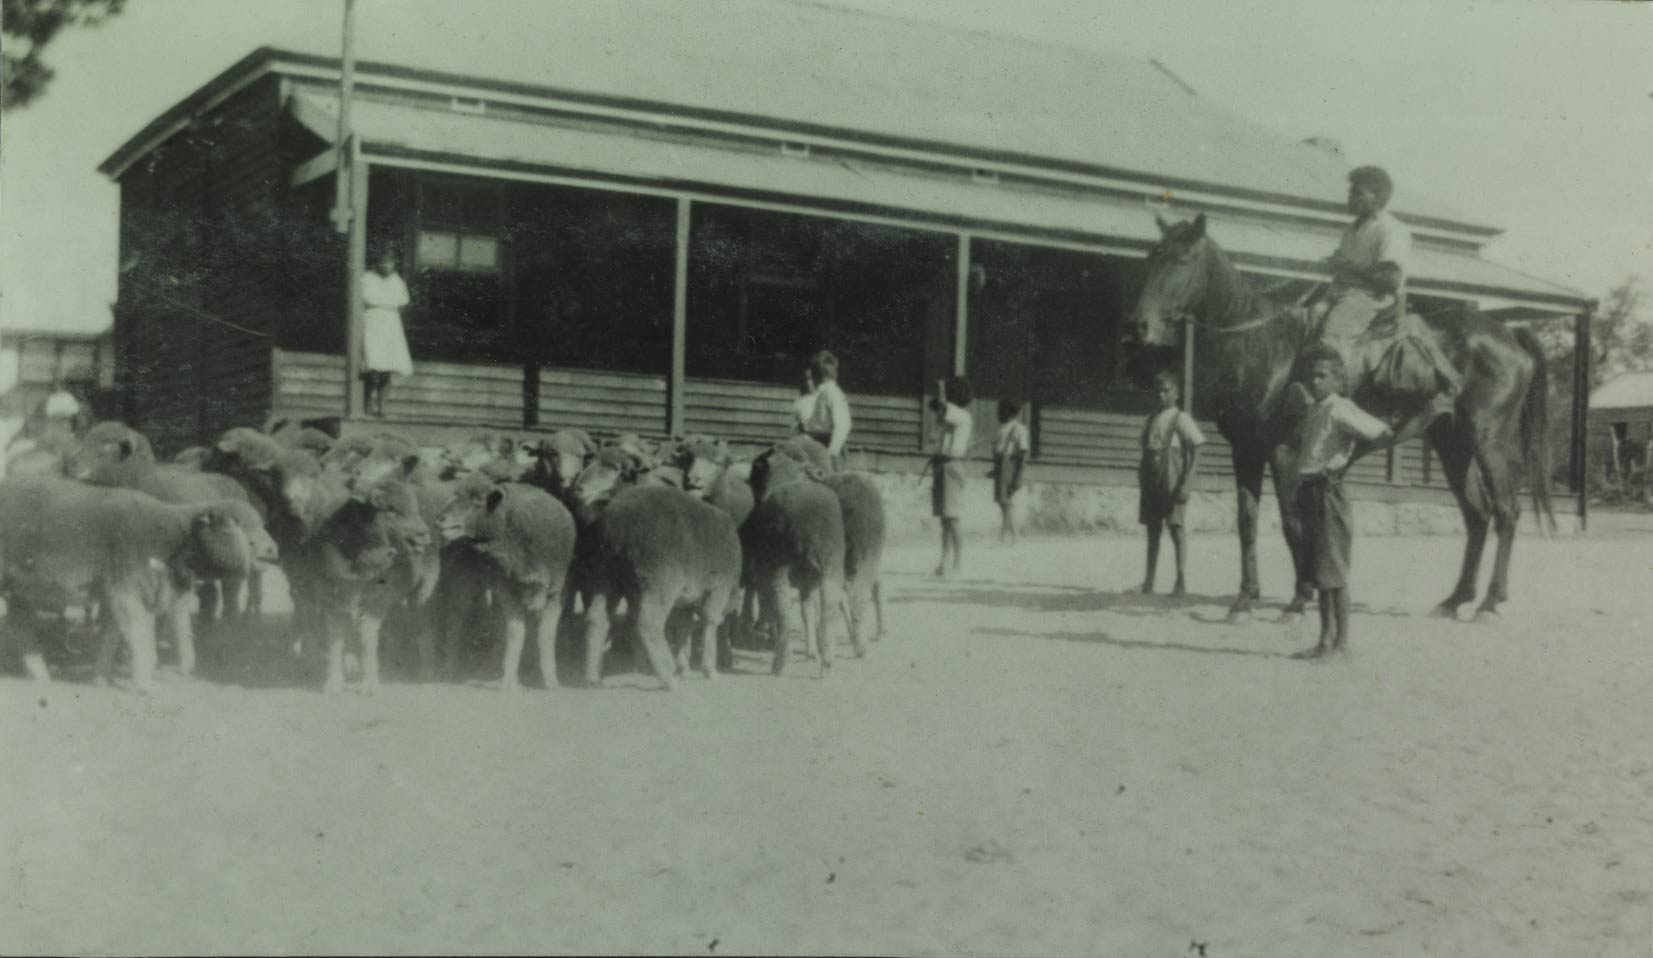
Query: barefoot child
x,y
1010,449
1171,444
954,425
1326,440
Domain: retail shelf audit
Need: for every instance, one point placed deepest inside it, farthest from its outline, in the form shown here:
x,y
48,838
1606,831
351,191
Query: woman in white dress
x,y
384,346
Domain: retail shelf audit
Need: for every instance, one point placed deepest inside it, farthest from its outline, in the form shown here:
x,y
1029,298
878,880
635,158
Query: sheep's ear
x,y
495,497
1164,227
127,447
1199,226
410,465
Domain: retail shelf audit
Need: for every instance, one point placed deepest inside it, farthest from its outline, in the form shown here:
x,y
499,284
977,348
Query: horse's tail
x,y
1535,429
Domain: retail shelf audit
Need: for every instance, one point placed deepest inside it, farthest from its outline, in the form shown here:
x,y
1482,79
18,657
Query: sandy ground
x,y
1033,762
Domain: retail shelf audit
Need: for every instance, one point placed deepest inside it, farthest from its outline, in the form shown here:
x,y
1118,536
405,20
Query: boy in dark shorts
x,y
1171,444
1326,441
1010,448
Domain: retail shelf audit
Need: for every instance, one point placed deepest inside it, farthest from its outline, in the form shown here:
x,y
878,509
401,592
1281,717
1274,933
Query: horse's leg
x,y
1248,488
1505,505
1283,468
1452,448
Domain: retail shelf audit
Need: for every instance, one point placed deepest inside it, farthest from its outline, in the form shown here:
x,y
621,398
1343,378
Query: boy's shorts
x,y
1325,515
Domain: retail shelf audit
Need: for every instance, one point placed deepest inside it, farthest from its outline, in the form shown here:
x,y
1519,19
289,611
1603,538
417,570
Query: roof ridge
x,y
978,32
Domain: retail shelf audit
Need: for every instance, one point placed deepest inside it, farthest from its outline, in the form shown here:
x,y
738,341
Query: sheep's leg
x,y
878,607
680,633
20,623
254,608
137,625
650,615
852,601
108,636
546,621
182,634
367,629
598,610
811,598
516,630
336,624
711,617
207,599
752,620
776,613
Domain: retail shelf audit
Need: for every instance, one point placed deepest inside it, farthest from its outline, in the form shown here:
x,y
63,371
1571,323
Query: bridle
x,y
1185,317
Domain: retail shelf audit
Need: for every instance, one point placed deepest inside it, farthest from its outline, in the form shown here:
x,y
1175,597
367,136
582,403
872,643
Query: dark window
x,y
768,289
460,306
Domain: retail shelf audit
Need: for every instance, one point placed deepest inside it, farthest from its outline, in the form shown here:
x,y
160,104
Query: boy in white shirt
x,y
1327,438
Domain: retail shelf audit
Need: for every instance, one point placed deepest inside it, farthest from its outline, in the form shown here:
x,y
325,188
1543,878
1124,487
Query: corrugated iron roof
x,y
850,70
1629,391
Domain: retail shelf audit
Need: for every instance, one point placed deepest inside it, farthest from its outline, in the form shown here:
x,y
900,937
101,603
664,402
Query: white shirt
x,y
1012,438
384,292
824,410
956,426
1328,433
1380,238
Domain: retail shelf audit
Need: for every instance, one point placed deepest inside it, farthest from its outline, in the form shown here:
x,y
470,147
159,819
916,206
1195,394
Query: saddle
x,y
1390,363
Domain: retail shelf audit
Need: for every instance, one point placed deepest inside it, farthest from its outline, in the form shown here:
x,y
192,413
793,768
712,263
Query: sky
x,y
1536,117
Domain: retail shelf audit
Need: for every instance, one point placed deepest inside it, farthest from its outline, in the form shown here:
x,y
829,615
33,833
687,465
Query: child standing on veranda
x,y
953,428
1326,441
1010,448
1171,442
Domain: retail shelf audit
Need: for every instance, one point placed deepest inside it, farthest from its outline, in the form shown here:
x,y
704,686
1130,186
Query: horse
x,y
1248,346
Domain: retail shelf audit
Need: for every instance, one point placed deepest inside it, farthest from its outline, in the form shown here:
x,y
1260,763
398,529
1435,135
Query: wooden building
x,y
644,220
1620,437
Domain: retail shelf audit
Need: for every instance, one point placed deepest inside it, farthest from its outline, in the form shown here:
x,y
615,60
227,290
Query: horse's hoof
x,y
1290,616
1239,616
1446,612
1486,616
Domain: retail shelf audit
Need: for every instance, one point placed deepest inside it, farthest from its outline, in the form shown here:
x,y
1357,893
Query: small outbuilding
x,y
1620,437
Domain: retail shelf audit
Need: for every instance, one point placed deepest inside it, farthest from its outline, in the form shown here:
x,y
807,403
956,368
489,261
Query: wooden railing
x,y
602,402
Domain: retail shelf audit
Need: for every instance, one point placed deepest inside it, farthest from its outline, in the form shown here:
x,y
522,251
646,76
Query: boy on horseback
x,y
1368,274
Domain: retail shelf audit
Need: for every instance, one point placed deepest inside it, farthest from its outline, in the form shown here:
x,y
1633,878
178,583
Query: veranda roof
x,y
408,132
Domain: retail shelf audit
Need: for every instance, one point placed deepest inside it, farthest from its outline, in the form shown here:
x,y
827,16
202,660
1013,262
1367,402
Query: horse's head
x,y
1176,282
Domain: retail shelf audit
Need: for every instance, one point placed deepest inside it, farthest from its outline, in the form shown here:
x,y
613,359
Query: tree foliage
x,y
29,26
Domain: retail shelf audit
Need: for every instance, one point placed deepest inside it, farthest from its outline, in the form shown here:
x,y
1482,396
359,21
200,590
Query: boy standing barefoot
x,y
1010,449
1171,444
1326,441
954,425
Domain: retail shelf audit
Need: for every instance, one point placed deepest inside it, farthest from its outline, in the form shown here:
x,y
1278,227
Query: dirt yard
x,y
1033,762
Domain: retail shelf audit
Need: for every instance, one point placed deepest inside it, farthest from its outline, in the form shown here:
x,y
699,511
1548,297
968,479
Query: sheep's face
x,y
396,509
702,463
462,519
229,540
607,475
106,453
470,456
561,457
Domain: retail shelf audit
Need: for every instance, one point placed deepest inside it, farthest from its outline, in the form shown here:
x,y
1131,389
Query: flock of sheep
x,y
656,543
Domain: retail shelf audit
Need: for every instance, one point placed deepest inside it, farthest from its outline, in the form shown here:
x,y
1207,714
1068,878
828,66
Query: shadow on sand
x,y
1103,638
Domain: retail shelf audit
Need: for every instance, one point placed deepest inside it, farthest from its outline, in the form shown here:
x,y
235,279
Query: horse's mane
x,y
1270,334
